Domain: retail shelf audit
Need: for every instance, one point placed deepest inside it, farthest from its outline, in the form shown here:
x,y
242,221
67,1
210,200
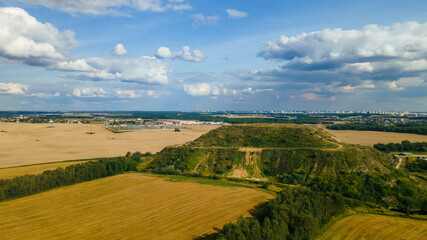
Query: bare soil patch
x,y
25,143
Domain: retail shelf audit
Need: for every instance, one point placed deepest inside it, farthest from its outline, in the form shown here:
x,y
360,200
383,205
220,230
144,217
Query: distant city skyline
x,y
188,55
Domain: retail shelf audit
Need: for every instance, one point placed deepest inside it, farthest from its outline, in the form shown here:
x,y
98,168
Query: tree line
x,y
300,212
30,184
416,128
404,194
297,213
405,146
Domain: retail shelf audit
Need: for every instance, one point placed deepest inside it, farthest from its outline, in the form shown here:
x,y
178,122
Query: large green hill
x,y
265,136
267,151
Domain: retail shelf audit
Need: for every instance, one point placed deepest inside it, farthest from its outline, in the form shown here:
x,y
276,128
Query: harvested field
x,y
33,169
369,138
376,227
128,206
26,144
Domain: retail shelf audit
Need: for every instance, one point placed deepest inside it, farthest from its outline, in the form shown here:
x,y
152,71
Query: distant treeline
x,y
30,184
405,146
297,213
300,119
416,128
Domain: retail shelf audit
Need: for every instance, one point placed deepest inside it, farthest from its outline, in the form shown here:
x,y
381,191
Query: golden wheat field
x,y
12,172
372,227
25,143
369,138
127,206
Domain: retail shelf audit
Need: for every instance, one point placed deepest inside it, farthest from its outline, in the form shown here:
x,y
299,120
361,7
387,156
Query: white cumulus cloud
x,y
369,61
129,93
89,92
359,49
202,89
232,13
72,65
24,38
185,54
118,50
13,88
145,69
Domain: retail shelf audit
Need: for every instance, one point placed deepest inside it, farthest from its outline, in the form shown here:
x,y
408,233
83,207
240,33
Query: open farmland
x,y
376,227
25,143
12,172
128,206
369,138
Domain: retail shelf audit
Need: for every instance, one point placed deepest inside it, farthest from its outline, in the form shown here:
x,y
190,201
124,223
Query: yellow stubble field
x,y
376,227
6,173
128,206
369,138
26,144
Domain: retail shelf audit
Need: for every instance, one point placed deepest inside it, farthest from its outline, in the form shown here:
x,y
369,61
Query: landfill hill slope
x,y
266,151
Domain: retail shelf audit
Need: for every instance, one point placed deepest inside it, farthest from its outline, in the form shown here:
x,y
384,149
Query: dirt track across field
x,y
25,143
369,138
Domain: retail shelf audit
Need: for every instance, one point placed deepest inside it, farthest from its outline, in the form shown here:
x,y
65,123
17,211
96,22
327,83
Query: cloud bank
x,y
148,70
111,7
25,40
373,49
13,88
380,58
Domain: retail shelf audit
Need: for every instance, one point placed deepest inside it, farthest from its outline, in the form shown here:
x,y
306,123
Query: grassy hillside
x,y
266,162
266,150
265,136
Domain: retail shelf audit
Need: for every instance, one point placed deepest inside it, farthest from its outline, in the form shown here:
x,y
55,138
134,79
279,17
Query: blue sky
x,y
213,55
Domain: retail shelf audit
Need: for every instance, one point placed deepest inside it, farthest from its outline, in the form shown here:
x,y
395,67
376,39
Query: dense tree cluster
x,y
419,165
297,213
417,128
300,212
29,184
405,146
403,194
